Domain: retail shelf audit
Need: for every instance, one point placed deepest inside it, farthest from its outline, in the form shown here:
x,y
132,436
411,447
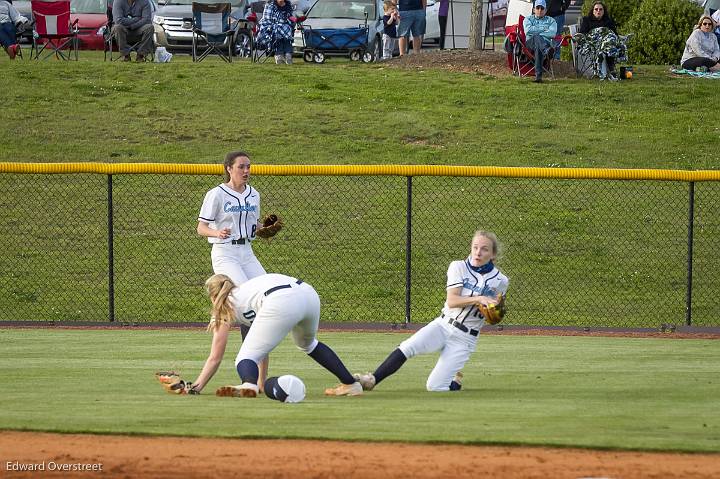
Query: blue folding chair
x,y
212,31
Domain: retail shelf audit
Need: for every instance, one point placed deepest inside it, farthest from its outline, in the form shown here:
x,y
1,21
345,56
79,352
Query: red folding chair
x,y
53,30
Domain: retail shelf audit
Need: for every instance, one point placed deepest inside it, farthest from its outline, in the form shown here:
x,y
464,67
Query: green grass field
x,y
616,393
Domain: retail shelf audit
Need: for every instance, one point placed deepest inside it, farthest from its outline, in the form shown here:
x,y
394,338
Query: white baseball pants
x,y
455,349
295,309
236,261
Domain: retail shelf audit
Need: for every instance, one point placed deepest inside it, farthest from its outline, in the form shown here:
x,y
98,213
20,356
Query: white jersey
x,y
474,283
224,207
248,299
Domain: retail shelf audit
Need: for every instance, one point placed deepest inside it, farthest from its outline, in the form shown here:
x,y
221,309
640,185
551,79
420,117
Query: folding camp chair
x,y
111,46
52,30
582,63
212,31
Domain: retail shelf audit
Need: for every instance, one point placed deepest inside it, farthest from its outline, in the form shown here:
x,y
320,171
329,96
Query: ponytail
x,y
219,287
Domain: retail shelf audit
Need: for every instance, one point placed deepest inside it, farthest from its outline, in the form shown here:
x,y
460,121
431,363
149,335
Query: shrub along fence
x,y
582,247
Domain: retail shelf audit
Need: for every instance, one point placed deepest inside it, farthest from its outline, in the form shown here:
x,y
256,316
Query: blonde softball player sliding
x,y
471,283
268,307
229,219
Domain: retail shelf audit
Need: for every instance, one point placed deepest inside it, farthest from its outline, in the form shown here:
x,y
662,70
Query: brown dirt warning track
x,y
85,456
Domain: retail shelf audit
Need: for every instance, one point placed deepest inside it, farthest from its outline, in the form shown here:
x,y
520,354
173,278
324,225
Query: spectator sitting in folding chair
x,y
133,23
598,39
540,31
10,22
276,30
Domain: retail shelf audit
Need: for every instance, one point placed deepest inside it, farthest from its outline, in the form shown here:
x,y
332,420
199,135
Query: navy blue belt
x,y
282,286
238,241
462,327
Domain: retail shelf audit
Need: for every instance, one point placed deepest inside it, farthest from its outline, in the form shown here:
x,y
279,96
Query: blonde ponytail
x,y
219,287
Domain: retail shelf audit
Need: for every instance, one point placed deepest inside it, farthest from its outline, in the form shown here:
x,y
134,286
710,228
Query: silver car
x,y
711,6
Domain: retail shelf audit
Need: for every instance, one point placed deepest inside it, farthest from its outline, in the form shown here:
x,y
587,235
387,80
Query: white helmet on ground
x,y
286,388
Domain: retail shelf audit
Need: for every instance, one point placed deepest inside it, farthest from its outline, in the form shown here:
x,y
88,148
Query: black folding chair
x,y
212,31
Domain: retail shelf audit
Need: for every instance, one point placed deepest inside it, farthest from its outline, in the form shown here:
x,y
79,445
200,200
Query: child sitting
x,y
391,19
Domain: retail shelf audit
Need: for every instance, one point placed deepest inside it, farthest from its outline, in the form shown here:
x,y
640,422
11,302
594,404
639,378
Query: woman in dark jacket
x,y
598,39
598,17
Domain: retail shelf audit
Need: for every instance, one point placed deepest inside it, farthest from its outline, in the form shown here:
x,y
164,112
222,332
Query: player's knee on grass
x,y
441,384
433,388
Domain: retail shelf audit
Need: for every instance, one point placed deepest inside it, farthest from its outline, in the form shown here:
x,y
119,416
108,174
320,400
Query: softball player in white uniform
x,y
455,332
229,218
268,307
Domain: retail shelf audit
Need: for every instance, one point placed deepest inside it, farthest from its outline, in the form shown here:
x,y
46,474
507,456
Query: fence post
x,y
111,278
691,224
408,250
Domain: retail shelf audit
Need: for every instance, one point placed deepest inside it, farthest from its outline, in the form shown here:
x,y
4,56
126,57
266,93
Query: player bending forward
x,y
268,307
475,289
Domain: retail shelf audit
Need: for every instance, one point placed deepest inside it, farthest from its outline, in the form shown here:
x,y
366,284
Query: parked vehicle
x,y
497,14
90,14
432,24
711,6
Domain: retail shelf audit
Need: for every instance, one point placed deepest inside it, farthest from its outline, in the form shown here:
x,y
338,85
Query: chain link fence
x,y
593,253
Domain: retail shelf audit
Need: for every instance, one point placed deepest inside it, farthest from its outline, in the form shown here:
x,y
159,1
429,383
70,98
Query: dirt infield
x,y
127,457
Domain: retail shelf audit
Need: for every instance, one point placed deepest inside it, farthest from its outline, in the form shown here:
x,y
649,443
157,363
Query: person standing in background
x,y
556,9
442,19
391,18
412,22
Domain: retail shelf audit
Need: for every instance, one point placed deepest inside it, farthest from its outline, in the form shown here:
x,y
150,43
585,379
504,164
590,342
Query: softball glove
x,y
172,383
494,313
271,224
